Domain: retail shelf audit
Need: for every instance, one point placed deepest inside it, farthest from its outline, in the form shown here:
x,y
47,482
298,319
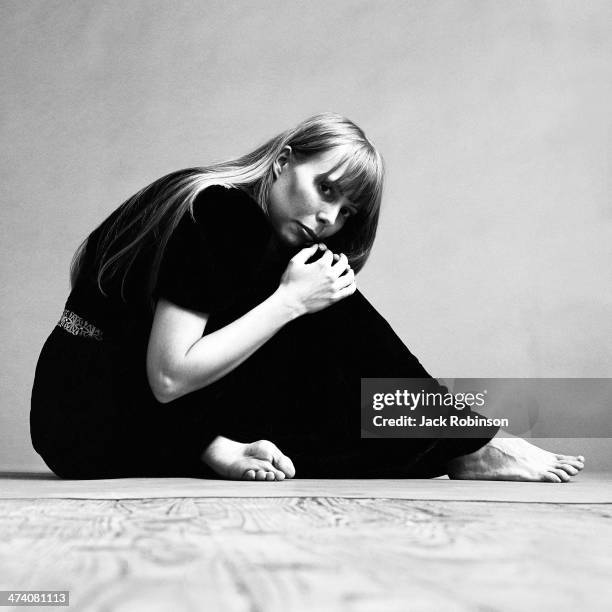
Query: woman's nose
x,y
327,215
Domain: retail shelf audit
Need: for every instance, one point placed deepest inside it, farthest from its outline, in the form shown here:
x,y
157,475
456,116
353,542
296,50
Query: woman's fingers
x,y
345,285
327,258
305,254
315,285
348,289
341,265
346,279
338,262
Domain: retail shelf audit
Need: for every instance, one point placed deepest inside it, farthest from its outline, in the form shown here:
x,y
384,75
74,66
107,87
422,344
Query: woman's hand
x,y
310,287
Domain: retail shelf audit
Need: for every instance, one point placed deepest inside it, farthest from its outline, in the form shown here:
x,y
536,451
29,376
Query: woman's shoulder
x,y
219,200
229,211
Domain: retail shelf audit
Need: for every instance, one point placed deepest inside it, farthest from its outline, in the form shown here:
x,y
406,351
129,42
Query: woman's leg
x,y
354,341
302,391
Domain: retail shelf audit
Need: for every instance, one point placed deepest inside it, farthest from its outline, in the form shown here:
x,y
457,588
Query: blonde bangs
x,y
361,179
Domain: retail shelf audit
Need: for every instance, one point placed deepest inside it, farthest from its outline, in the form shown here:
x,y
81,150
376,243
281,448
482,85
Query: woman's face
x,y
305,203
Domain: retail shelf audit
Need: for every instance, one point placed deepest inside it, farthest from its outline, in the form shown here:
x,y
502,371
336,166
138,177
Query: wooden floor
x,y
314,553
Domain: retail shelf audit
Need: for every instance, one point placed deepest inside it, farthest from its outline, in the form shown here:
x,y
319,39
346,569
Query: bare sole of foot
x,y
261,460
515,459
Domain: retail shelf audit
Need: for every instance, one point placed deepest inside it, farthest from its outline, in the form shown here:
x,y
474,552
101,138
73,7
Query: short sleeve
x,y
211,255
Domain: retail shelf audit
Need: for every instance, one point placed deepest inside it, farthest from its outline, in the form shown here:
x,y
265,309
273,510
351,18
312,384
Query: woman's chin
x,y
293,239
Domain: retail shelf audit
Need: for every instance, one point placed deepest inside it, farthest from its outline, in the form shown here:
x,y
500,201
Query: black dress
x,y
93,414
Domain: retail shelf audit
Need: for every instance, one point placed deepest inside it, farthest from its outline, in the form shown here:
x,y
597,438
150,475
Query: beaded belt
x,y
77,326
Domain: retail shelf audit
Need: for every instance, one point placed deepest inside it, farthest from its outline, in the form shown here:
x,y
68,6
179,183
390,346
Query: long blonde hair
x,y
155,211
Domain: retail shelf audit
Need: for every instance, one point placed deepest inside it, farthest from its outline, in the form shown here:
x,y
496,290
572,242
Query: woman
x,y
214,328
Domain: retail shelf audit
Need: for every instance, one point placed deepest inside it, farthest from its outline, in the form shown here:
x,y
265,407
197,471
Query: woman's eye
x,y
326,189
345,212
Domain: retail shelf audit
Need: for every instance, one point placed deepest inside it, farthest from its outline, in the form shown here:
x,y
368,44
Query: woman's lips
x,y
309,233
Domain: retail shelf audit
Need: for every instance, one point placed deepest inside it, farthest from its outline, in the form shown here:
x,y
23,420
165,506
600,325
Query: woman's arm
x,y
180,360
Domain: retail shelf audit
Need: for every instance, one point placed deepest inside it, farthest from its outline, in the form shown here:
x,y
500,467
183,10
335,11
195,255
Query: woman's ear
x,y
281,161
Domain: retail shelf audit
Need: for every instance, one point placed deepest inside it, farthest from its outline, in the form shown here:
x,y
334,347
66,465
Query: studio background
x,y
494,248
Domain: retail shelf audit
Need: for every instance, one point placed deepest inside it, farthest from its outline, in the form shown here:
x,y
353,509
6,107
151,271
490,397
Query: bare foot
x,y
514,459
259,460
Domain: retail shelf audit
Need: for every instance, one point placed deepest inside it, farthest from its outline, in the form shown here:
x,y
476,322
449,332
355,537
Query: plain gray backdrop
x,y
493,256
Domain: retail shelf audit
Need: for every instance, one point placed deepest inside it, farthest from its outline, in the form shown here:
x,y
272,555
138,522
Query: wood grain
x,y
586,488
308,554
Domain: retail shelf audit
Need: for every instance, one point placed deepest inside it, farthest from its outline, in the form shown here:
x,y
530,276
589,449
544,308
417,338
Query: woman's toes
x,y
270,476
562,474
249,475
260,475
267,451
283,463
577,462
570,469
550,477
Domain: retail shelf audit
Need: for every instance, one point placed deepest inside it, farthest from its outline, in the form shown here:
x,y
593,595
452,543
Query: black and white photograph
x,y
306,305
